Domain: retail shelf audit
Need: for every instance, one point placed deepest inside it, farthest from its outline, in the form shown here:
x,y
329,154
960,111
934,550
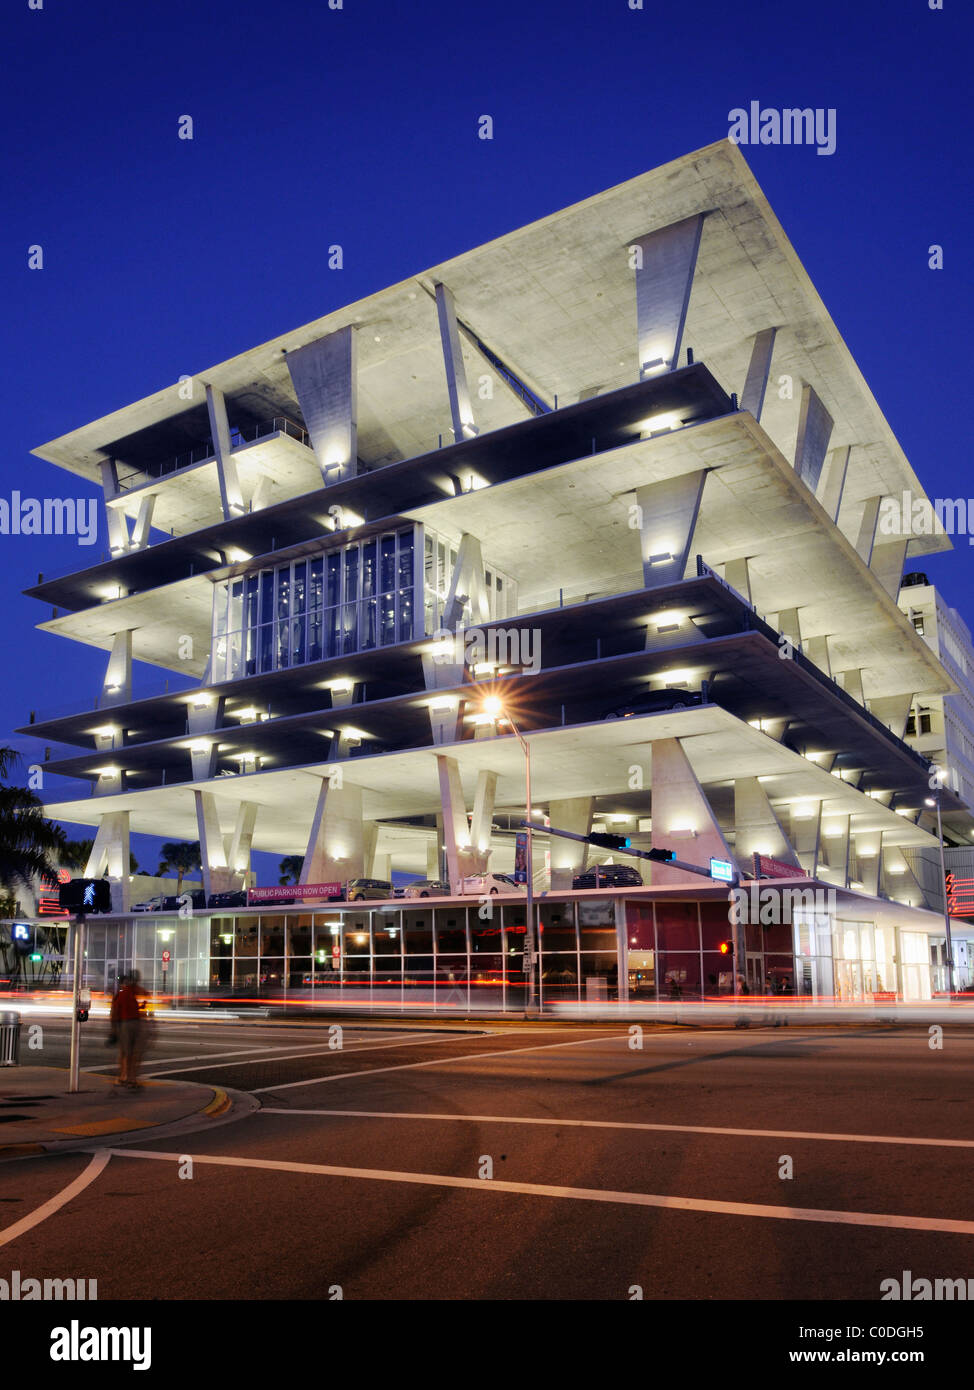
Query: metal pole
x,y
79,967
943,880
737,938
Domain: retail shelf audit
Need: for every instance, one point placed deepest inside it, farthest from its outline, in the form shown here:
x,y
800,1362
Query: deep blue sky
x,y
359,126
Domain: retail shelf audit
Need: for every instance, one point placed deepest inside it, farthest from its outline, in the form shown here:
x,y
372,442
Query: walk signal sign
x,y
86,895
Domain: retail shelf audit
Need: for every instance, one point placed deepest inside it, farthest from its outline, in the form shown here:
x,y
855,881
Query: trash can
x,y
9,1039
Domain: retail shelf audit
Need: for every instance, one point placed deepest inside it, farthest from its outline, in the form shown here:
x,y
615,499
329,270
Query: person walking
x,y
128,1023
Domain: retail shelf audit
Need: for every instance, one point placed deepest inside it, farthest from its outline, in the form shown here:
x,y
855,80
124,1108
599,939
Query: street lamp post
x,y
935,801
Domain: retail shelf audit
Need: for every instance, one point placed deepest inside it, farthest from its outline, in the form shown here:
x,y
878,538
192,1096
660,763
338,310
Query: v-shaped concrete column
x,y
324,376
682,816
110,854
664,263
757,829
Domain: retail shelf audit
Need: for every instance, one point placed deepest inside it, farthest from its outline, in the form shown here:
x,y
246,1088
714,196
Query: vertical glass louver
x,y
351,599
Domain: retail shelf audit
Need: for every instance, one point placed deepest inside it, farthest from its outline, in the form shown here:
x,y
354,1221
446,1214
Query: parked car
x,y
366,889
609,876
676,697
150,904
427,888
491,883
236,898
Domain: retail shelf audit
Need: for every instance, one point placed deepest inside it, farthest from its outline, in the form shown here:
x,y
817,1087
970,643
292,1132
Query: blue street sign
x,y
720,869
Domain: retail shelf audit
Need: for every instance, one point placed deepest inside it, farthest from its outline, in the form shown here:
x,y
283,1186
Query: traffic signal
x,y
726,947
610,841
86,895
662,855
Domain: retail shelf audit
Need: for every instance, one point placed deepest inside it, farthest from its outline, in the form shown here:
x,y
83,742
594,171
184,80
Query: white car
x,y
150,905
491,883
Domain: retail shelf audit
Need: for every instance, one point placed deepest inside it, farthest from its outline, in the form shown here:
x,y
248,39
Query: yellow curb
x,y
94,1127
6,1149
219,1103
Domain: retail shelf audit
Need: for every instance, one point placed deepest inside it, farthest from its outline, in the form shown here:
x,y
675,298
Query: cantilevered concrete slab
x,y
555,301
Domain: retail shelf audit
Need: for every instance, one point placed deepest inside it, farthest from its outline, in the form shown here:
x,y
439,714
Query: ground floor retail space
x,y
470,954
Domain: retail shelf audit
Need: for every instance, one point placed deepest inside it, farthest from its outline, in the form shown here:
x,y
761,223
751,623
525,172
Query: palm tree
x,y
31,846
76,854
290,868
181,856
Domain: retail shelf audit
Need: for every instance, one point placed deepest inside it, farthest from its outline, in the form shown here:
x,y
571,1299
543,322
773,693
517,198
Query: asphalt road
x,y
525,1162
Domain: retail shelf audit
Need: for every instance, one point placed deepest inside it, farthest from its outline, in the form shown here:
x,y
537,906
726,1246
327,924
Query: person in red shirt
x,y
128,1024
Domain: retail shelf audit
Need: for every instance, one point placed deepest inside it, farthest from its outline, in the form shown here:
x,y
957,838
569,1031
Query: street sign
x,y
166,957
721,870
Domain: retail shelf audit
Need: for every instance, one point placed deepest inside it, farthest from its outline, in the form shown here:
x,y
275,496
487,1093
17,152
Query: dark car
x,y
676,697
609,876
236,898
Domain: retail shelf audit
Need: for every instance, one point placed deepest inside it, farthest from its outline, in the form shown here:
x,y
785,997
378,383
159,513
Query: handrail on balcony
x,y
238,435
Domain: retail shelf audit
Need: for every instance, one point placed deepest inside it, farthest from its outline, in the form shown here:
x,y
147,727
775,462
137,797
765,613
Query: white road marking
x,y
196,1057
48,1208
436,1062
632,1124
284,1055
578,1194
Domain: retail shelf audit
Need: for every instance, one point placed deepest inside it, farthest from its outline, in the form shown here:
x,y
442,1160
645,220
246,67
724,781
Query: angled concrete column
x,y
806,835
109,478
682,816
738,576
789,626
868,850
462,857
893,711
483,811
665,264
213,858
117,685
263,491
667,516
887,562
143,523
817,650
382,867
461,409
752,397
238,845
231,498
467,584
835,848
110,855
337,843
568,856
118,530
203,755
757,829
325,379
851,683
866,537
832,482
370,838
897,879
433,869
815,426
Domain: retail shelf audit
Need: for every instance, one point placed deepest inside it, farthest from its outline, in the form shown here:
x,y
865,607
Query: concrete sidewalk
x,y
37,1113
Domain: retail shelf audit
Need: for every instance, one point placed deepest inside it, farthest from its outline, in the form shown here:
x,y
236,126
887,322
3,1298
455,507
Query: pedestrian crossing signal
x,y
86,895
725,948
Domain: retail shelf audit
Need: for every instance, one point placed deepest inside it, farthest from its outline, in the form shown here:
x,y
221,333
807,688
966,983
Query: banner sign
x,y
766,867
521,857
294,890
